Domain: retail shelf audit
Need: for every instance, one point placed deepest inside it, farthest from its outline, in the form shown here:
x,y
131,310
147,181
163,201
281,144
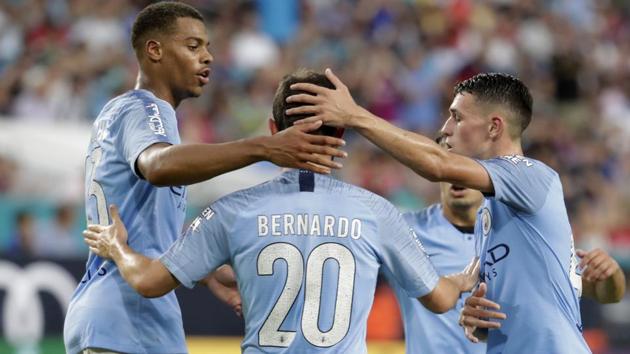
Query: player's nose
x,y
447,128
207,57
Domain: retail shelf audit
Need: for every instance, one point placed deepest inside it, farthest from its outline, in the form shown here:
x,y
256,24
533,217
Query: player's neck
x,y
460,217
505,147
159,89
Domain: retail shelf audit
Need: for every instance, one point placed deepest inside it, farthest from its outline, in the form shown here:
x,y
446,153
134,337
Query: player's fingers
x,y
303,110
90,235
481,313
588,257
304,98
580,253
325,150
596,267
312,88
471,337
96,228
481,290
313,167
325,140
308,120
475,301
333,78
319,160
479,323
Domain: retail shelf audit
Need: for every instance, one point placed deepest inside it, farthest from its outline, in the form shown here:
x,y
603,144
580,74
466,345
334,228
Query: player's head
x,y
280,119
487,109
171,43
458,198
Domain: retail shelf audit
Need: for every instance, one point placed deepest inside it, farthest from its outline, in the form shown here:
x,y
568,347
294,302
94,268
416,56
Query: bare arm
x,y
602,280
147,276
421,154
446,293
222,283
166,165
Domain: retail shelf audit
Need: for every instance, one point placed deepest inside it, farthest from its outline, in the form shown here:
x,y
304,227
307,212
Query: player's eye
x,y
193,47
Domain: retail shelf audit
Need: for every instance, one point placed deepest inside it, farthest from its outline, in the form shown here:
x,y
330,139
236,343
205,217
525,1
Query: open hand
x,y
475,314
295,147
103,239
336,108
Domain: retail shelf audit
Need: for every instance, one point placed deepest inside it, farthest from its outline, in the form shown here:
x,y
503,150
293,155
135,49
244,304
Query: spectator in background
x,y
22,242
56,239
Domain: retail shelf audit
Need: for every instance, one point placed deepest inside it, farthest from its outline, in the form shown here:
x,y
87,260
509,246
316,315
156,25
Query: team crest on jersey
x,y
486,221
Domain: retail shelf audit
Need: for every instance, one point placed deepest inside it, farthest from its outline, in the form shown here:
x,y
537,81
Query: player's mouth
x,y
458,191
204,76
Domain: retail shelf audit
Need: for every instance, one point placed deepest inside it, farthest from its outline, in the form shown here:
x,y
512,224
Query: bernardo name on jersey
x,y
309,225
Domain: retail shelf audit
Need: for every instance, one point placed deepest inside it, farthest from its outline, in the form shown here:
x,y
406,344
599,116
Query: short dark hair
x,y
160,17
504,89
280,105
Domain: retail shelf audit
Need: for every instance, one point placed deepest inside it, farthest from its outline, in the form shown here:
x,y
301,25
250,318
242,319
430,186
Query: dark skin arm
x,y
166,165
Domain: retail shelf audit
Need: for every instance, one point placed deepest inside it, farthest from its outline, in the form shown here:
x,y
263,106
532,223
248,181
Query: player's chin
x,y
195,91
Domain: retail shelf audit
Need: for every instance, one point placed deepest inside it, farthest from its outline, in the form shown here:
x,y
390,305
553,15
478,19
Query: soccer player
x,y
524,238
135,160
446,232
306,249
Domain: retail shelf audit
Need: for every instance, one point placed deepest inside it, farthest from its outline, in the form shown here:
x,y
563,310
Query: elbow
x,y
157,177
148,289
439,308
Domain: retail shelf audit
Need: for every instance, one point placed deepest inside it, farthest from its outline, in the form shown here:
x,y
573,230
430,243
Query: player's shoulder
x,y
138,102
371,200
248,197
423,216
521,164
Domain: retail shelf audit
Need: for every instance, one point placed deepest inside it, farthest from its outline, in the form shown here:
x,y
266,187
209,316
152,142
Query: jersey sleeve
x,y
518,182
146,122
402,255
202,248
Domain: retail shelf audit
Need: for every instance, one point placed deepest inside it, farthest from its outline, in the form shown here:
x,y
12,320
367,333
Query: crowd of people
x,y
63,60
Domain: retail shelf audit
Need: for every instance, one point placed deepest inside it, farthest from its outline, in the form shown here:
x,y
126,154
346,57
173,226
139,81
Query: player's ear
x,y
496,127
153,50
272,126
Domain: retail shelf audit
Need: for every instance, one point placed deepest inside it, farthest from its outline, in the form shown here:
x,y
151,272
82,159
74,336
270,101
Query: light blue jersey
x,y
528,260
306,250
450,251
105,312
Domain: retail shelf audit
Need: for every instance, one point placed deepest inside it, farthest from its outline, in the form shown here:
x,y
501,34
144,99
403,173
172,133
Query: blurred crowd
x,y
62,60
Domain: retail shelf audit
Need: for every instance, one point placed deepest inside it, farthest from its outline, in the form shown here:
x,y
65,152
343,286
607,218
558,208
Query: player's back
x,y
105,312
307,249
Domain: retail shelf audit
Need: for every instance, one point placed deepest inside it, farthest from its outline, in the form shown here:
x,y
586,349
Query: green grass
x,y
49,345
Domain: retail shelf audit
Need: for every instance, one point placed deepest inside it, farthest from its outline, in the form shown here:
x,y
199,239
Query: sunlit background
x,y
62,60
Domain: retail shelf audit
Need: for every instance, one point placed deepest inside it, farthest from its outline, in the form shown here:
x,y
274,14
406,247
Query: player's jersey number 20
x,y
270,333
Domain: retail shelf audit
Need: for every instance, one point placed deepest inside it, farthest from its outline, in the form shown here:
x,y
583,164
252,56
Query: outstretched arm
x,y
602,279
421,154
147,276
163,164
